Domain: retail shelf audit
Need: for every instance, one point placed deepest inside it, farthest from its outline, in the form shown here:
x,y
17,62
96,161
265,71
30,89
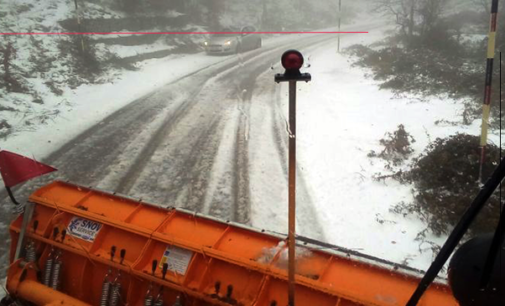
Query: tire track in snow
x,y
175,172
242,189
241,167
131,176
243,96
191,190
232,170
140,162
184,163
220,197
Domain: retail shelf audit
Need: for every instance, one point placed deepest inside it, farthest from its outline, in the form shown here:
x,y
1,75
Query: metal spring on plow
x,y
55,279
177,301
159,302
114,295
104,298
148,300
31,255
159,298
47,271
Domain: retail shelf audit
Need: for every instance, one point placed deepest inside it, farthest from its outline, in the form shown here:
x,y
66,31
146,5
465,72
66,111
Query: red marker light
x,y
292,60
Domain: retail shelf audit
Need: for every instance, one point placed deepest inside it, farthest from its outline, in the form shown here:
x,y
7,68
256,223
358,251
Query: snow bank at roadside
x,y
89,104
44,70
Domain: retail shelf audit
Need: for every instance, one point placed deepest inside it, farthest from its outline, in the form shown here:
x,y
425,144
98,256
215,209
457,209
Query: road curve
x,y
184,145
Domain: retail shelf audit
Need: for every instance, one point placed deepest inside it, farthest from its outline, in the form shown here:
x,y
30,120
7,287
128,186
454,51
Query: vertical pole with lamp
x,y
292,61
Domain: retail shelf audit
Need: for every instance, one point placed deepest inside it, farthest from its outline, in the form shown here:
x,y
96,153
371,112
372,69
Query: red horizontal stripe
x,y
492,27
487,95
171,33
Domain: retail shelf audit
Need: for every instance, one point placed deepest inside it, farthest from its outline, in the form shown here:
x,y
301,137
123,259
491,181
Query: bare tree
x,y
412,16
216,8
404,12
264,12
483,4
429,12
9,53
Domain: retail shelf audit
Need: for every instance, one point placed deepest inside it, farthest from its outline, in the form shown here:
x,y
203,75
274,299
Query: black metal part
x,y
112,252
63,235
56,231
178,301
229,291
465,274
35,225
164,271
122,255
349,252
7,301
217,288
155,265
494,252
11,196
292,76
458,232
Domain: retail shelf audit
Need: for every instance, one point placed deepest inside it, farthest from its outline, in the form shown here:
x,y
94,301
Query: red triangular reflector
x,y
16,169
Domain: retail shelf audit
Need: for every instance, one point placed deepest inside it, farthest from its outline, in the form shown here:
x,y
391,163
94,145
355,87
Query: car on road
x,y
229,41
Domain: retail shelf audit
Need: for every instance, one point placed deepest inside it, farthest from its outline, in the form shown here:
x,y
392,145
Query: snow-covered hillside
x,y
41,73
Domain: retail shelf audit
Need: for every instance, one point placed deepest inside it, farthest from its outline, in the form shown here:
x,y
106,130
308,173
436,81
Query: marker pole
x,y
292,191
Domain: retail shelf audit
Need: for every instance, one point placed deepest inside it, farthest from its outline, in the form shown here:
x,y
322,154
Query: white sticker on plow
x,y
177,259
83,228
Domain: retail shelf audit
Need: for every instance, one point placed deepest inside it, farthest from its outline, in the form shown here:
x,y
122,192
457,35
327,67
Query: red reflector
x,y
292,60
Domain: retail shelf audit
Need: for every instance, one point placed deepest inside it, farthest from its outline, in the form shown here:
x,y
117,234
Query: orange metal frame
x,y
252,262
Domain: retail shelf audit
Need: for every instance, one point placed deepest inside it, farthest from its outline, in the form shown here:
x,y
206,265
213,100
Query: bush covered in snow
x,y
421,70
445,177
396,146
428,72
443,55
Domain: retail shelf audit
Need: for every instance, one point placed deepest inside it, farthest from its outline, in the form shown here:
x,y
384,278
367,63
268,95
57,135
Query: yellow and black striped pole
x,y
487,89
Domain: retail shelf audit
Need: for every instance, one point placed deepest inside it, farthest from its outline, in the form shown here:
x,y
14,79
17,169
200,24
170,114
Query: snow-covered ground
x,y
123,51
80,108
342,115
47,69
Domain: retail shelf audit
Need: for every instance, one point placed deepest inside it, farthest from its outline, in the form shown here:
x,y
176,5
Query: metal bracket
x,y
293,76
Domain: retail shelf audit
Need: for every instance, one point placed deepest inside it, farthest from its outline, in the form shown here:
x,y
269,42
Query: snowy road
x,y
193,144
211,136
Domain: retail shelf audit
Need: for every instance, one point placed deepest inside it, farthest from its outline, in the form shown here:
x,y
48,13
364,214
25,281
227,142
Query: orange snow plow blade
x,y
207,261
